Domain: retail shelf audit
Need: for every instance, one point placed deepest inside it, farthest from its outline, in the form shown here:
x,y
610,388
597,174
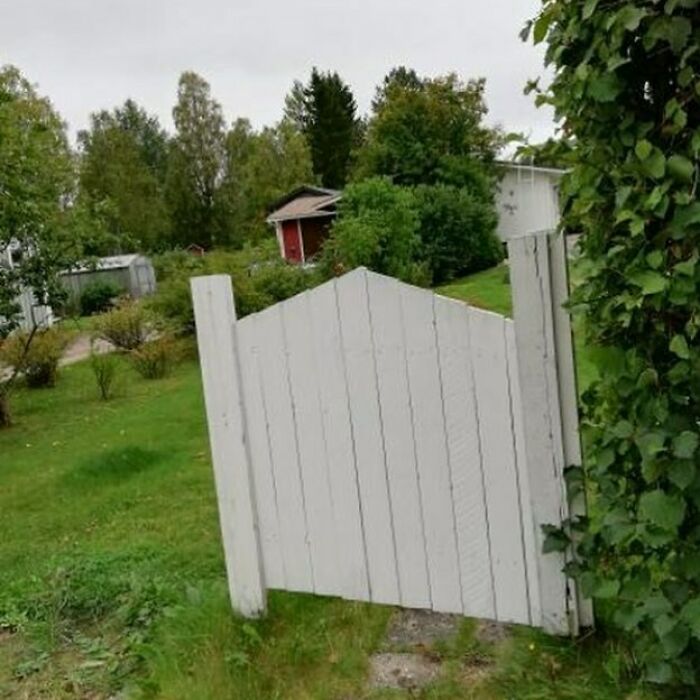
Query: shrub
x,y
156,358
98,297
625,87
259,276
457,231
377,227
104,368
39,361
127,326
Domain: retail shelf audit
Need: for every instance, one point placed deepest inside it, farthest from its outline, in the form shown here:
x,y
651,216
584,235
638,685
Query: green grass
x,y
489,290
112,577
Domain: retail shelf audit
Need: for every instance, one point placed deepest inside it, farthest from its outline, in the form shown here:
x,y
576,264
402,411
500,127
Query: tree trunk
x,y
5,415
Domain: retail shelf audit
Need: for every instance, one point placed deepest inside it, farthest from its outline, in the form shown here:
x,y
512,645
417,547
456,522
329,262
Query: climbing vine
x,y
626,91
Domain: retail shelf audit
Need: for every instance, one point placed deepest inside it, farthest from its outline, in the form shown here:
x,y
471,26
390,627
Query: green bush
x,y
457,230
259,277
38,360
156,358
104,368
98,297
127,326
377,227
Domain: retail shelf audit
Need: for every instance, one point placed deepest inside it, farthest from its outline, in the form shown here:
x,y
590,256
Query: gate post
x,y
215,317
550,412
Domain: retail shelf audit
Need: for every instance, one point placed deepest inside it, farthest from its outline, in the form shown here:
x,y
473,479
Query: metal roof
x,y
305,206
113,262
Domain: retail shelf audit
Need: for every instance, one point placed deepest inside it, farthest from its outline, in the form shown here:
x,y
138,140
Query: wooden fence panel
x,y
340,448
310,434
284,450
465,454
498,449
399,440
431,448
259,445
356,332
404,448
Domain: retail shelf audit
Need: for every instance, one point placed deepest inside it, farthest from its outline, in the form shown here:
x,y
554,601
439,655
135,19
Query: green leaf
x,y
605,88
541,26
643,149
679,347
662,509
556,540
659,672
630,17
606,588
589,8
685,444
687,267
623,429
650,444
682,473
655,259
655,164
691,614
687,215
650,282
680,168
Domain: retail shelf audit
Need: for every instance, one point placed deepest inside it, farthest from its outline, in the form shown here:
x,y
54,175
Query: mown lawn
x,y
112,580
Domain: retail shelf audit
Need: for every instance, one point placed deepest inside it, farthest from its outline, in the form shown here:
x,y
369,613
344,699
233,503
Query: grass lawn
x,y
112,581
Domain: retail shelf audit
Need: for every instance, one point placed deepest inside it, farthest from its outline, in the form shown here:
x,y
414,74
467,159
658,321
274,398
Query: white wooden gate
x,y
375,441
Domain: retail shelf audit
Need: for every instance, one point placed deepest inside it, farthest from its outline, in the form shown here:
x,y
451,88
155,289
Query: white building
x,y
32,313
527,200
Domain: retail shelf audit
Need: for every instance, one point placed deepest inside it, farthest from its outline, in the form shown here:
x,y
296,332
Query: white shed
x,y
527,200
134,274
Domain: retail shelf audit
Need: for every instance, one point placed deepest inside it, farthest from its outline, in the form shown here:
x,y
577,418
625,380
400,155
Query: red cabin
x,y
302,221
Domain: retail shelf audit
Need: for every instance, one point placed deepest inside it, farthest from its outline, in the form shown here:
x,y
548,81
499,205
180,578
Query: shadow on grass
x,y
114,466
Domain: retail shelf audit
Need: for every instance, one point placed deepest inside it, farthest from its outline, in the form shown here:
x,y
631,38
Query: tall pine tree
x,y
330,123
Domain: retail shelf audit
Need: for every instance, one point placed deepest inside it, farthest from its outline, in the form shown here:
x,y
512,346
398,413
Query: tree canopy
x,y
122,170
421,126
326,111
196,162
39,217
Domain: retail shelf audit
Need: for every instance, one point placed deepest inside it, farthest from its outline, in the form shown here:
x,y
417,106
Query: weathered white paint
x,y
216,337
404,451
548,425
527,199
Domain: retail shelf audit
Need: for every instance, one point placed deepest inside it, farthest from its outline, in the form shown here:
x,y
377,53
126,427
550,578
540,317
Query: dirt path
x,y
80,347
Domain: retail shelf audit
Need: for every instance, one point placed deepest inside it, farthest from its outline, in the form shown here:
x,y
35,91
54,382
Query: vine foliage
x,y
626,91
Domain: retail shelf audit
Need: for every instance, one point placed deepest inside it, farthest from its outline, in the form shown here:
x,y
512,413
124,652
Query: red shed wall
x,y
291,242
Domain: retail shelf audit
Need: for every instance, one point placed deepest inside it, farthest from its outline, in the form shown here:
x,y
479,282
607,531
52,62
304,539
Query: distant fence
x,y
375,441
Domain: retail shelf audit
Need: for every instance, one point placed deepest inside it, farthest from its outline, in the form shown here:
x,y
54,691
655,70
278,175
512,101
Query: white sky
x,y
92,54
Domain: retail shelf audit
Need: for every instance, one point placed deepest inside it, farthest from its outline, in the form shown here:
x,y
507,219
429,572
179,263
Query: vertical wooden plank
x,y
395,404
286,470
464,451
261,462
527,520
367,432
215,319
304,367
534,329
431,449
500,471
568,388
340,451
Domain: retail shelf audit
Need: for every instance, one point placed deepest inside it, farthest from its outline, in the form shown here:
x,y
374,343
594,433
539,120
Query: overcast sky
x,y
92,54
